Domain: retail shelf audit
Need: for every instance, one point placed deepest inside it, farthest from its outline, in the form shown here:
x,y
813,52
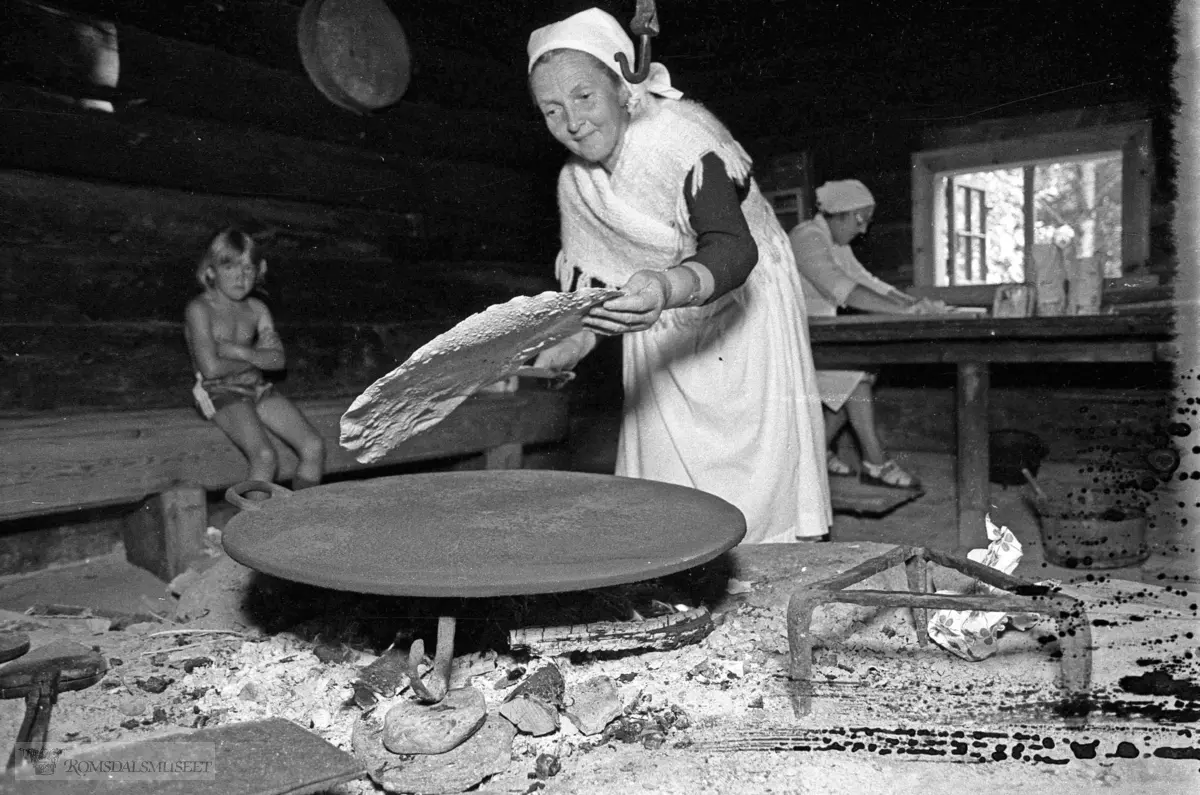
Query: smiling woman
x,y
657,200
583,103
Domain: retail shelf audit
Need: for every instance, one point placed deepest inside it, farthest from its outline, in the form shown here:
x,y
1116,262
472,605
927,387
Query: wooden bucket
x,y
1091,530
355,52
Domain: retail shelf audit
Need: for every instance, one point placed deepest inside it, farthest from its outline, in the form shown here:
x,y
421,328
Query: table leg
x,y
973,490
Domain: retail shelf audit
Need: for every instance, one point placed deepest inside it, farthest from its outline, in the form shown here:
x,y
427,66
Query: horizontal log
x,y
58,463
143,147
72,250
64,366
49,284
265,32
659,634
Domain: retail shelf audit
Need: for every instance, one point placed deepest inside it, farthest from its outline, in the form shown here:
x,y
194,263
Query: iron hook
x,y
644,26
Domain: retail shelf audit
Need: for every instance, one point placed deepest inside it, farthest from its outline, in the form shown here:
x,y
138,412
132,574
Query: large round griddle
x,y
483,533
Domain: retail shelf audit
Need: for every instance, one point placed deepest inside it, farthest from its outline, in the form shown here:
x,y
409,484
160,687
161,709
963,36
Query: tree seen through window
x,y
993,217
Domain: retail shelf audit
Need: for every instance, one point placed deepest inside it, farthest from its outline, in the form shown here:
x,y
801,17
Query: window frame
x,y
974,231
1132,139
798,196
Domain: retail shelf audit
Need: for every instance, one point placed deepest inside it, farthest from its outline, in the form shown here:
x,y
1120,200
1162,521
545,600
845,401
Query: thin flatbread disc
x,y
483,533
485,348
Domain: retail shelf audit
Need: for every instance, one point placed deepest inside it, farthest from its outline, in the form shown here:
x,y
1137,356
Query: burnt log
x,y
657,634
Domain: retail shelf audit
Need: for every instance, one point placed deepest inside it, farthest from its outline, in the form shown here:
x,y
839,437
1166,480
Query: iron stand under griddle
x,y
1074,632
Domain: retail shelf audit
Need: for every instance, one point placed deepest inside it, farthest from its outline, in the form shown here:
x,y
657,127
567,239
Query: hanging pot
x,y
355,53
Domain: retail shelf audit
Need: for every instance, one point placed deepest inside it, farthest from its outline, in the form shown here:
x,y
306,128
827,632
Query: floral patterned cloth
x,y
972,634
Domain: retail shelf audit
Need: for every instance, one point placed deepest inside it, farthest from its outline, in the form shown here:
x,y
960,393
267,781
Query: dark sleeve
x,y
723,241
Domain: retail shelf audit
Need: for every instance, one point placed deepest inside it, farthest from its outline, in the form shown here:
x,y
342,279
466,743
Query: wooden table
x,y
972,344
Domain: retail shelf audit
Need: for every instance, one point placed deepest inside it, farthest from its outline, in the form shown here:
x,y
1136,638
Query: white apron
x,y
722,397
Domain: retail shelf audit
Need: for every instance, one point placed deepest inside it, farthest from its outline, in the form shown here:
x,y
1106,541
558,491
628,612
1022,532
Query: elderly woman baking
x,y
657,199
833,277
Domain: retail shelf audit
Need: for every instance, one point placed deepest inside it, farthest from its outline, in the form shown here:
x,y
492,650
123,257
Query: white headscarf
x,y
842,196
599,35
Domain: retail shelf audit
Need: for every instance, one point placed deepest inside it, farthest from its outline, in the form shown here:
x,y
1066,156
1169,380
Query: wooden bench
x,y
169,459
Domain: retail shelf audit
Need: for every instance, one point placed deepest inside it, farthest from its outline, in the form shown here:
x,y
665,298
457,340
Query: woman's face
x,y
844,227
582,105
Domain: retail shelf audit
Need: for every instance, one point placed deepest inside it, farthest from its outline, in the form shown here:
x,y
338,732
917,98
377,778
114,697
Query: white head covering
x,y
599,35
842,196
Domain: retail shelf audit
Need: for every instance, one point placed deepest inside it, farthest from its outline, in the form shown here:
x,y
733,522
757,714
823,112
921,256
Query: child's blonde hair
x,y
229,245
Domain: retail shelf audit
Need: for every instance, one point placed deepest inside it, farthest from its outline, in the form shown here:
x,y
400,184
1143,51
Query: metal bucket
x,y
1089,529
355,52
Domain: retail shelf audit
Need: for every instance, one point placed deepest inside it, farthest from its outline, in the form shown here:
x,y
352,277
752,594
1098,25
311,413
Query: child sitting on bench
x,y
232,340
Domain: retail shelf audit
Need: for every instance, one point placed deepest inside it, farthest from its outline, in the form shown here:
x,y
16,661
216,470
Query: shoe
x,y
888,474
837,466
813,539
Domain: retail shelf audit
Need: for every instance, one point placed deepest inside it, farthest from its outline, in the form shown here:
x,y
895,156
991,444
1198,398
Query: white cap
x,y
842,196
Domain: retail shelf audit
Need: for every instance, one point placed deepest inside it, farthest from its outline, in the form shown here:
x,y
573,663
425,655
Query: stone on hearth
x,y
414,728
593,704
485,753
531,715
546,683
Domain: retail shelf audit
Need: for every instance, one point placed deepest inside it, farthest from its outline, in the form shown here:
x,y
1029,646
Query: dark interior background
x,y
384,230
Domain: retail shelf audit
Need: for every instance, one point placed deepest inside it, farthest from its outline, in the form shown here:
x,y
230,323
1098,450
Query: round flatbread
x,y
485,348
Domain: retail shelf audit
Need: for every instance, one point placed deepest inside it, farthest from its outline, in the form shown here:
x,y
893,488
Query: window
x,y
790,206
982,210
966,231
995,219
786,182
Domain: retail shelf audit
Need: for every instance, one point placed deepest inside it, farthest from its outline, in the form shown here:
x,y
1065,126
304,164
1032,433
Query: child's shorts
x,y
214,394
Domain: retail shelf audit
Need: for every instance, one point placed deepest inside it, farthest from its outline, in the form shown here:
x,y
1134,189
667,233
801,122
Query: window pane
x,y
1076,204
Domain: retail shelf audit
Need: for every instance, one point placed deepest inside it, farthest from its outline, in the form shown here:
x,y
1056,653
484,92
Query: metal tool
x,y
644,26
39,677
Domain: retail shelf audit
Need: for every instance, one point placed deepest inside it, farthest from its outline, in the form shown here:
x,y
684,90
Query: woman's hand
x,y
565,354
646,295
927,307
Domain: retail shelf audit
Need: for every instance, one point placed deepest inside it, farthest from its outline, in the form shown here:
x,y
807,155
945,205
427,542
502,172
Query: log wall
x,y
380,231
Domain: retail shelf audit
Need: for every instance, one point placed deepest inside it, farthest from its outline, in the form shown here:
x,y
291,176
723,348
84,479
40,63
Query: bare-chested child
x,y
232,340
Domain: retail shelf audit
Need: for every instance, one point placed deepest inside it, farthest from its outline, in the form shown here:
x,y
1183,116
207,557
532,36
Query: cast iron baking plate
x,y
483,533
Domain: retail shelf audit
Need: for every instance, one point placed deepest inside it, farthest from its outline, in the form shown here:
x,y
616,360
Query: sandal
x,y
888,474
837,466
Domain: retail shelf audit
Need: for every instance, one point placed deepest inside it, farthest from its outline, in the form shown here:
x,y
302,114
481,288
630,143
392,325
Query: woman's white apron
x,y
720,397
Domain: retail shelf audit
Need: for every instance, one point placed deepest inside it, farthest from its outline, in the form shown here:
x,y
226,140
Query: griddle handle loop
x,y
234,493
